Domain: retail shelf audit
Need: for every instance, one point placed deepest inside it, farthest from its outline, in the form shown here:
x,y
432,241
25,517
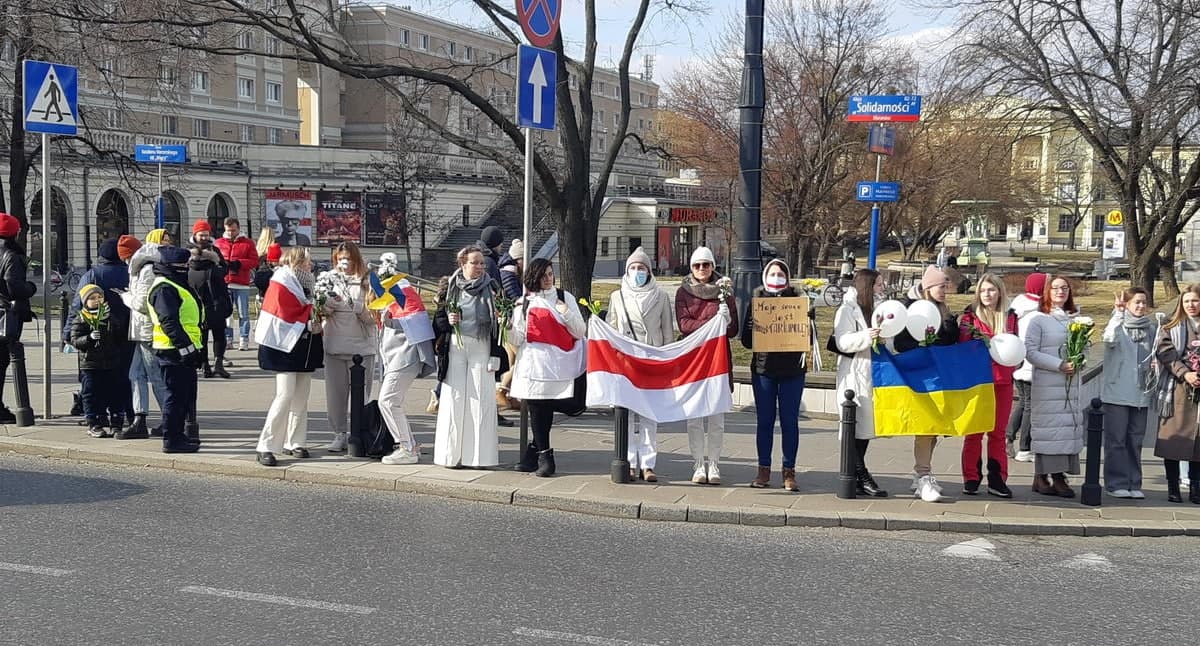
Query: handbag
x,y
832,346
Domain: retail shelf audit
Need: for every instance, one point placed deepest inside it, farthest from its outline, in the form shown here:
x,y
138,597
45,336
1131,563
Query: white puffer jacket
x,y
1025,307
141,277
854,373
1057,415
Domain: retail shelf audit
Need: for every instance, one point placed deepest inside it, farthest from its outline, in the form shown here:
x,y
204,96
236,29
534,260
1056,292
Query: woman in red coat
x,y
696,302
984,319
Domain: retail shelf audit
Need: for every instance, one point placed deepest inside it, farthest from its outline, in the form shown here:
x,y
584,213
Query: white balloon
x,y
890,318
922,315
1007,350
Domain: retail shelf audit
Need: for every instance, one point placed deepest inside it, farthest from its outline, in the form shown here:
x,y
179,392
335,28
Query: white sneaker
x,y
916,483
339,443
1024,456
1137,494
714,474
243,344
928,490
700,476
400,456
1121,493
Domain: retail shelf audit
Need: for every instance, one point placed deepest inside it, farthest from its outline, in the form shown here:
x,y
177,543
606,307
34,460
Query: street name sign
x,y
899,107
877,192
51,93
537,76
156,154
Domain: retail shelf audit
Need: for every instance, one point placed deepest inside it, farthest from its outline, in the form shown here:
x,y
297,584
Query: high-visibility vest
x,y
191,315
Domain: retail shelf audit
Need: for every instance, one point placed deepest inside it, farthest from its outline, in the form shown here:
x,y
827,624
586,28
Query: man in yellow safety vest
x,y
177,316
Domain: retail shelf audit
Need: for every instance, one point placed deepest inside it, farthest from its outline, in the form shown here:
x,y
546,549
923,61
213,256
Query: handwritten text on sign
x,y
781,324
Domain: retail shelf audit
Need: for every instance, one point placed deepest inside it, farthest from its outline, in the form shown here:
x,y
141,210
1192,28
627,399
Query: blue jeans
x,y
782,395
145,374
241,306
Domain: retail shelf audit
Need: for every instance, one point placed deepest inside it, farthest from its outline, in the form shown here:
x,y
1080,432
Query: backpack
x,y
376,438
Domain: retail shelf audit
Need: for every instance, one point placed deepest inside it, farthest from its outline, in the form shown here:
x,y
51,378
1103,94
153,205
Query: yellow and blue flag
x,y
385,292
935,390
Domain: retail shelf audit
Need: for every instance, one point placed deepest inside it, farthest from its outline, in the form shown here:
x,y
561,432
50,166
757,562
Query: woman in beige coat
x,y
1178,354
349,329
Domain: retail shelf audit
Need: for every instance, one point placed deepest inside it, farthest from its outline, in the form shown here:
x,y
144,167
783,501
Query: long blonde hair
x,y
992,317
266,238
1180,314
294,257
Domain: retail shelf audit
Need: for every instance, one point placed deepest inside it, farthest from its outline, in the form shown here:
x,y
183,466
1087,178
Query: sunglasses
x,y
701,265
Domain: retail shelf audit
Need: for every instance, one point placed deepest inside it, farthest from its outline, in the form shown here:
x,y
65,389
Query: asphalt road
x,y
109,555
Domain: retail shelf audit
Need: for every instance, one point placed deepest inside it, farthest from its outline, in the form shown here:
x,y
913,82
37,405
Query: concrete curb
x,y
598,506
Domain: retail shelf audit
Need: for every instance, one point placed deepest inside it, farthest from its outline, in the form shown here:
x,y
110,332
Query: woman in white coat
x,y
641,310
468,357
349,328
1056,425
546,370
853,339
406,349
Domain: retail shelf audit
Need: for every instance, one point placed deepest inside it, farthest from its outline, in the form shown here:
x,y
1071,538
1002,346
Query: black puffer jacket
x,y
776,365
15,288
206,277
104,354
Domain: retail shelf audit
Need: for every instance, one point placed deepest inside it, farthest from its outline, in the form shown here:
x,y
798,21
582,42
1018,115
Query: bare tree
x,y
1120,73
311,32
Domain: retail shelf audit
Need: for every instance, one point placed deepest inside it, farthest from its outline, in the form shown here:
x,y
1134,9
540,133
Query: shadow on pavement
x,y
37,488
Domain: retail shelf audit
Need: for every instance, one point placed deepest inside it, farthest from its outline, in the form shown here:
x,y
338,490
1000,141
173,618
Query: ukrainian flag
x,y
935,390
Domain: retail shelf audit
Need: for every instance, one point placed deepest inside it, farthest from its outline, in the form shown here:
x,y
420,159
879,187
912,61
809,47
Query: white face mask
x,y
775,283
343,264
639,276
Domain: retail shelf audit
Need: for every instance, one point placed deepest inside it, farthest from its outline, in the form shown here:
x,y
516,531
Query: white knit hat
x,y
638,255
703,254
517,249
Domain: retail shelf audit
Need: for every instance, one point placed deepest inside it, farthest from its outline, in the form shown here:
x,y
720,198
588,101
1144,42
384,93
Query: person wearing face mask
x,y
852,339
348,328
1056,425
984,319
1127,391
206,275
177,314
468,357
641,310
697,301
778,381
1178,392
933,289
289,345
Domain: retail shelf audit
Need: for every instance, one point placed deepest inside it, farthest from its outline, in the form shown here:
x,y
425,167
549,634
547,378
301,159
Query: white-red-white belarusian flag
x,y
285,312
683,380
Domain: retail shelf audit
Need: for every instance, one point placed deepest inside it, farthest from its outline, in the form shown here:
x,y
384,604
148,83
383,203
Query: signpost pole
x,y
527,232
158,206
46,231
875,218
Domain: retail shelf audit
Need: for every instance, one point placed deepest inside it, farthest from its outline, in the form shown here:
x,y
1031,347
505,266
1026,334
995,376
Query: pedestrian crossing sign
x,y
51,93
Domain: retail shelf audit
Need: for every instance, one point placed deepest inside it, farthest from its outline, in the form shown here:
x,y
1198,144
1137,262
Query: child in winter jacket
x,y
99,342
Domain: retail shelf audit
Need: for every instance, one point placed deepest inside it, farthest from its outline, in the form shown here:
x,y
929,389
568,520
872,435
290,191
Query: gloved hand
x,y
95,335
723,311
191,357
235,266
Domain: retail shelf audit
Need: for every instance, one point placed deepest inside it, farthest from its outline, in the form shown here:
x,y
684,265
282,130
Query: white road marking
x,y
574,638
271,598
1089,561
979,548
35,569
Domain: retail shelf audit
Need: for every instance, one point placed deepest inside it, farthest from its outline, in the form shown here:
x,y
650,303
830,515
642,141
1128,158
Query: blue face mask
x,y
640,277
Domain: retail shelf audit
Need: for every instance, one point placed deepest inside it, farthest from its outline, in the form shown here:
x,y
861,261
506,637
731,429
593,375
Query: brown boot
x,y
1060,486
763,479
649,476
1041,484
501,399
789,479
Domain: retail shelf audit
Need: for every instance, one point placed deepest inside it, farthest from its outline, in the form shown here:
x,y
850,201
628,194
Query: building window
x,y
604,246
199,81
641,124
600,118
1029,163
453,49
166,75
468,53
1066,192
8,52
423,42
617,120
170,125
641,98
508,65
274,135
246,88
404,36
1065,222
274,92
200,128
247,133
1098,221
112,118
272,45
600,87
245,40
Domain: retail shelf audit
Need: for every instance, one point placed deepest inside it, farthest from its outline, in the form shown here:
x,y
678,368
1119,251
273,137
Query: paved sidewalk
x,y
232,412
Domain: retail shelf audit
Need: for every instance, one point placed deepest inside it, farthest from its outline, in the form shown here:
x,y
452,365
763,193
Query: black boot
x,y
1194,492
545,464
136,431
529,459
1173,491
866,485
77,405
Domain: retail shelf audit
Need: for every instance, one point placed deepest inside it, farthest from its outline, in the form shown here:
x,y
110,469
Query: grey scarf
x,y
705,291
1166,380
476,298
307,281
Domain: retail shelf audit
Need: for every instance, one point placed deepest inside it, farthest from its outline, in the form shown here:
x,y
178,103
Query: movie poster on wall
x,y
386,222
339,217
289,215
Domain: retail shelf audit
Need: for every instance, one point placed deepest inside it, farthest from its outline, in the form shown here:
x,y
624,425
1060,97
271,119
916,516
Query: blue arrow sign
x,y
51,93
906,107
156,154
877,192
537,76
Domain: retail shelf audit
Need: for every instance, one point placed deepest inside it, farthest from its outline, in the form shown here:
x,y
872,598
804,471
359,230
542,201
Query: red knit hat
x,y
126,246
274,252
10,227
201,225
1035,284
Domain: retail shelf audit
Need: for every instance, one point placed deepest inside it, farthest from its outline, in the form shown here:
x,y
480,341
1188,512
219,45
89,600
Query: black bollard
x,y
620,462
24,412
358,380
64,307
1095,436
848,477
